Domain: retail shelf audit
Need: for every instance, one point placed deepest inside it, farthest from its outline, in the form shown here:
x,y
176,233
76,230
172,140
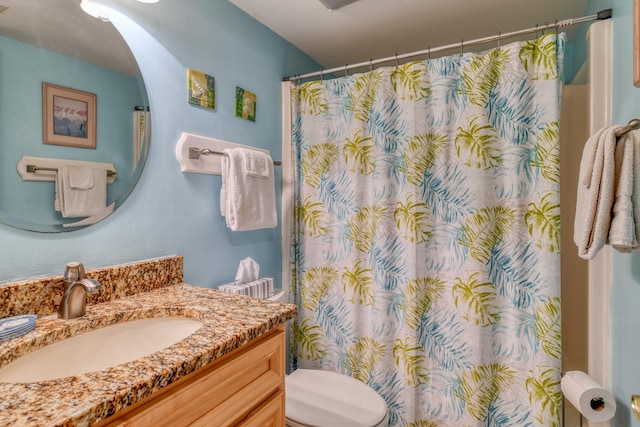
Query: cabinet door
x,y
220,394
269,414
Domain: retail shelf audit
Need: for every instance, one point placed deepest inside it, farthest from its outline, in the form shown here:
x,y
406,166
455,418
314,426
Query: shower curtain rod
x,y
603,14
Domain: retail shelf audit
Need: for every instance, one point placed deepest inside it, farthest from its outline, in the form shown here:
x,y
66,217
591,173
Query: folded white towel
x,y
73,203
250,202
257,163
80,178
595,192
622,233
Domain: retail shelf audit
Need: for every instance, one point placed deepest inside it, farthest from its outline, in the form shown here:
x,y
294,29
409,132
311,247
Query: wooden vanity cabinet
x,y
242,388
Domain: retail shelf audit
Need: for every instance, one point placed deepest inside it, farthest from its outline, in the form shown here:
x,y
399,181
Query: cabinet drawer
x,y
270,414
225,391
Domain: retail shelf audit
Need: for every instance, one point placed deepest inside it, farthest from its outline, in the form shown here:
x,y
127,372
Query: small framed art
x,y
68,116
245,104
201,88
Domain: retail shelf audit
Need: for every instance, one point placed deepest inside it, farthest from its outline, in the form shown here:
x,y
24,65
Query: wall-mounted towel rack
x,y
45,168
34,169
632,125
195,153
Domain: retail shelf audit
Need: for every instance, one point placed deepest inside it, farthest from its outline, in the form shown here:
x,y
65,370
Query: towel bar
x,y
34,169
195,153
632,125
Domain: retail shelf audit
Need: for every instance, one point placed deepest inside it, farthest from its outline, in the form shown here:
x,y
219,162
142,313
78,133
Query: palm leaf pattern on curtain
x,y
543,222
481,385
477,145
420,154
358,153
476,300
410,360
409,81
548,152
538,57
425,258
482,74
363,94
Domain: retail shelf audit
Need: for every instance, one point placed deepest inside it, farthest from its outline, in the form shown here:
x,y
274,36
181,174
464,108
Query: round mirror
x,y
74,116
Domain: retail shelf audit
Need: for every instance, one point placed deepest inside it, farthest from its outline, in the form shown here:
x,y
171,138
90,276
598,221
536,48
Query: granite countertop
x,y
229,321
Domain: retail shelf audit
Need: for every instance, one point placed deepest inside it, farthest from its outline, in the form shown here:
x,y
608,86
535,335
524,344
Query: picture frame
x,y
201,89
68,116
246,103
636,43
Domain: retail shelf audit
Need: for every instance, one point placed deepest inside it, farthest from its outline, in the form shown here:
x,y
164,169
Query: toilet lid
x,y
322,398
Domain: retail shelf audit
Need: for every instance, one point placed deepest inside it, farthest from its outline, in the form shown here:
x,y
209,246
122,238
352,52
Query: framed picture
x,y
68,116
202,91
636,43
245,104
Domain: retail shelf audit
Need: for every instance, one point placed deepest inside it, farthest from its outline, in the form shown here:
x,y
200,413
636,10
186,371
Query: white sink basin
x,y
99,349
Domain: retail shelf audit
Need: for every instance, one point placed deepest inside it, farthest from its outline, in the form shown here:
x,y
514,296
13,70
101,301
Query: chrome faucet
x,y
76,288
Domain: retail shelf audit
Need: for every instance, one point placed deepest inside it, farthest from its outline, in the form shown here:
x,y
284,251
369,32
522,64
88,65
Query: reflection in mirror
x,y
55,42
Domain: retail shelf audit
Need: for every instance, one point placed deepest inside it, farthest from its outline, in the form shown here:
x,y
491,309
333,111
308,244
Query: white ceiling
x,y
61,26
371,29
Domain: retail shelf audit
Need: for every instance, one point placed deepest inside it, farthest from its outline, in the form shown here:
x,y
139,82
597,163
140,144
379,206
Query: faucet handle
x,y
74,271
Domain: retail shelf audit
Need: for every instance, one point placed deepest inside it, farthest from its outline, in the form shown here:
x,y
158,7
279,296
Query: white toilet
x,y
317,398
329,399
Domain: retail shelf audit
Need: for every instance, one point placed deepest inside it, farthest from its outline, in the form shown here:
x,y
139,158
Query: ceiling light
x,y
334,4
93,10
148,1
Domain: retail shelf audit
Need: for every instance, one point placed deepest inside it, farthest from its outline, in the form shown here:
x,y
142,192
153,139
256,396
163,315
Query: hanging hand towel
x,y
79,201
250,201
595,192
257,163
622,233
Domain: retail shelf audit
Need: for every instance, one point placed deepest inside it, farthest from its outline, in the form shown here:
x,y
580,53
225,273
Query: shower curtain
x,y
426,236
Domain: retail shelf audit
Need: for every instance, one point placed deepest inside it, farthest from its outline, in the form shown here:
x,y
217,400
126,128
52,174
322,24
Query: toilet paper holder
x,y
635,405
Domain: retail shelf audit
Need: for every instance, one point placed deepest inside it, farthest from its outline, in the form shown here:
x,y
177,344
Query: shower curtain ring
x,y
546,27
371,64
428,52
397,60
556,25
499,34
461,46
346,71
322,75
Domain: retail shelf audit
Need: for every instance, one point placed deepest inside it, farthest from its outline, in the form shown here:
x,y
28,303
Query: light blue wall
x,y
170,212
625,296
23,68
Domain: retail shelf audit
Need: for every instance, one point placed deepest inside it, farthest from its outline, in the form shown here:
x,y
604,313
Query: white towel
x,y
80,178
249,202
595,192
257,163
622,233
224,170
73,203
635,194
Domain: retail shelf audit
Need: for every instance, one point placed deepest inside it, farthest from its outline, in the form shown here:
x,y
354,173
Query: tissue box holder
x,y
261,288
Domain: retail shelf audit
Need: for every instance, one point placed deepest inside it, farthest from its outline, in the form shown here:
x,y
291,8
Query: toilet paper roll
x,y
589,398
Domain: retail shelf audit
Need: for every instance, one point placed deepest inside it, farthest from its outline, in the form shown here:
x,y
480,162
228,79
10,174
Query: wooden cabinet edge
x,y
124,417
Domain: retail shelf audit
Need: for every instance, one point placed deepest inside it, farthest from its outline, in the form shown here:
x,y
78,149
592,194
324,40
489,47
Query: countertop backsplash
x,y
43,295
